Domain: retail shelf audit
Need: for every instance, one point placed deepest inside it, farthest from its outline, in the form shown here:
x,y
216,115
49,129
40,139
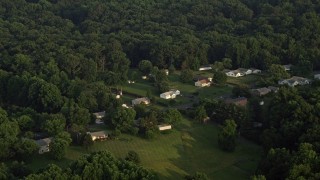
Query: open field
x,y
189,148
247,81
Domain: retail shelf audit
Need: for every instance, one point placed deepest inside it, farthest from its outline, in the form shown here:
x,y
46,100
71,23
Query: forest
x,y
60,59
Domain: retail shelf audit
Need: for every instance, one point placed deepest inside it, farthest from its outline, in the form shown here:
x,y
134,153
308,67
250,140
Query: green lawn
x,y
244,80
188,148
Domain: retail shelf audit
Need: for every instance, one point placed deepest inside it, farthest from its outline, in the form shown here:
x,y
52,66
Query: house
x,y
198,78
235,73
170,94
100,115
287,67
273,89
166,71
205,120
255,71
125,106
143,100
99,135
205,68
203,83
144,77
261,91
294,81
317,76
164,127
44,145
131,82
245,71
240,101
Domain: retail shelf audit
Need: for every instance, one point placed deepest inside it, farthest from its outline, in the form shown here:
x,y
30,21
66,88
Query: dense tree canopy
x,y
61,56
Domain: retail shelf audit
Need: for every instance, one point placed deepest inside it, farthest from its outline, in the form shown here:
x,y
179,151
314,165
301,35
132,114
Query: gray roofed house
x,y
287,67
44,145
100,115
294,80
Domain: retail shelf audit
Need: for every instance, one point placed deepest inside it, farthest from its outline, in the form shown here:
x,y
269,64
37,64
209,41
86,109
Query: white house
x,y
294,81
144,77
205,68
143,100
164,127
100,115
245,71
125,106
235,73
44,145
317,76
287,67
203,83
170,94
166,71
99,135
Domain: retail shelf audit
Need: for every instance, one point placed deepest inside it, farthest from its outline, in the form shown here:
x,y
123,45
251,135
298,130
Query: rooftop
x,y
44,142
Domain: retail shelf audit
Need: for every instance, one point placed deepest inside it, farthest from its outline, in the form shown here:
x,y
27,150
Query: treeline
x,y
99,165
86,39
286,124
59,57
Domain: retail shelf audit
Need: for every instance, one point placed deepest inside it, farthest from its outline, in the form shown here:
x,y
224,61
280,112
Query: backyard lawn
x,y
189,148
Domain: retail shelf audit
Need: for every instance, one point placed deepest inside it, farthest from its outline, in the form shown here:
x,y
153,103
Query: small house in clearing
x,y
245,71
235,73
170,94
99,135
287,67
205,68
99,116
203,83
294,81
44,145
255,71
143,100
166,71
164,127
317,76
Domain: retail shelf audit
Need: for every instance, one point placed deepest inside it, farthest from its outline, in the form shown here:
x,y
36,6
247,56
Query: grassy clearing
x,y
246,81
187,149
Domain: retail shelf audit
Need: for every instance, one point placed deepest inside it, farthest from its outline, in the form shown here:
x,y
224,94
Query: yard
x,y
140,87
189,148
247,81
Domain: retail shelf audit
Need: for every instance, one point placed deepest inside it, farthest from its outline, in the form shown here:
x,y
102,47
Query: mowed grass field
x,y
140,87
188,148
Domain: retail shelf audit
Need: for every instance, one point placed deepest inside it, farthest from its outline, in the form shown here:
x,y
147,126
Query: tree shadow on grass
x,y
199,152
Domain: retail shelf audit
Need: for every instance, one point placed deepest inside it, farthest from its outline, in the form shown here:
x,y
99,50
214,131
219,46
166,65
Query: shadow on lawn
x,y
199,152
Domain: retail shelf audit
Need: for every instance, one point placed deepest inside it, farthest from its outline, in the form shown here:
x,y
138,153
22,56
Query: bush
x,y
116,133
133,156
